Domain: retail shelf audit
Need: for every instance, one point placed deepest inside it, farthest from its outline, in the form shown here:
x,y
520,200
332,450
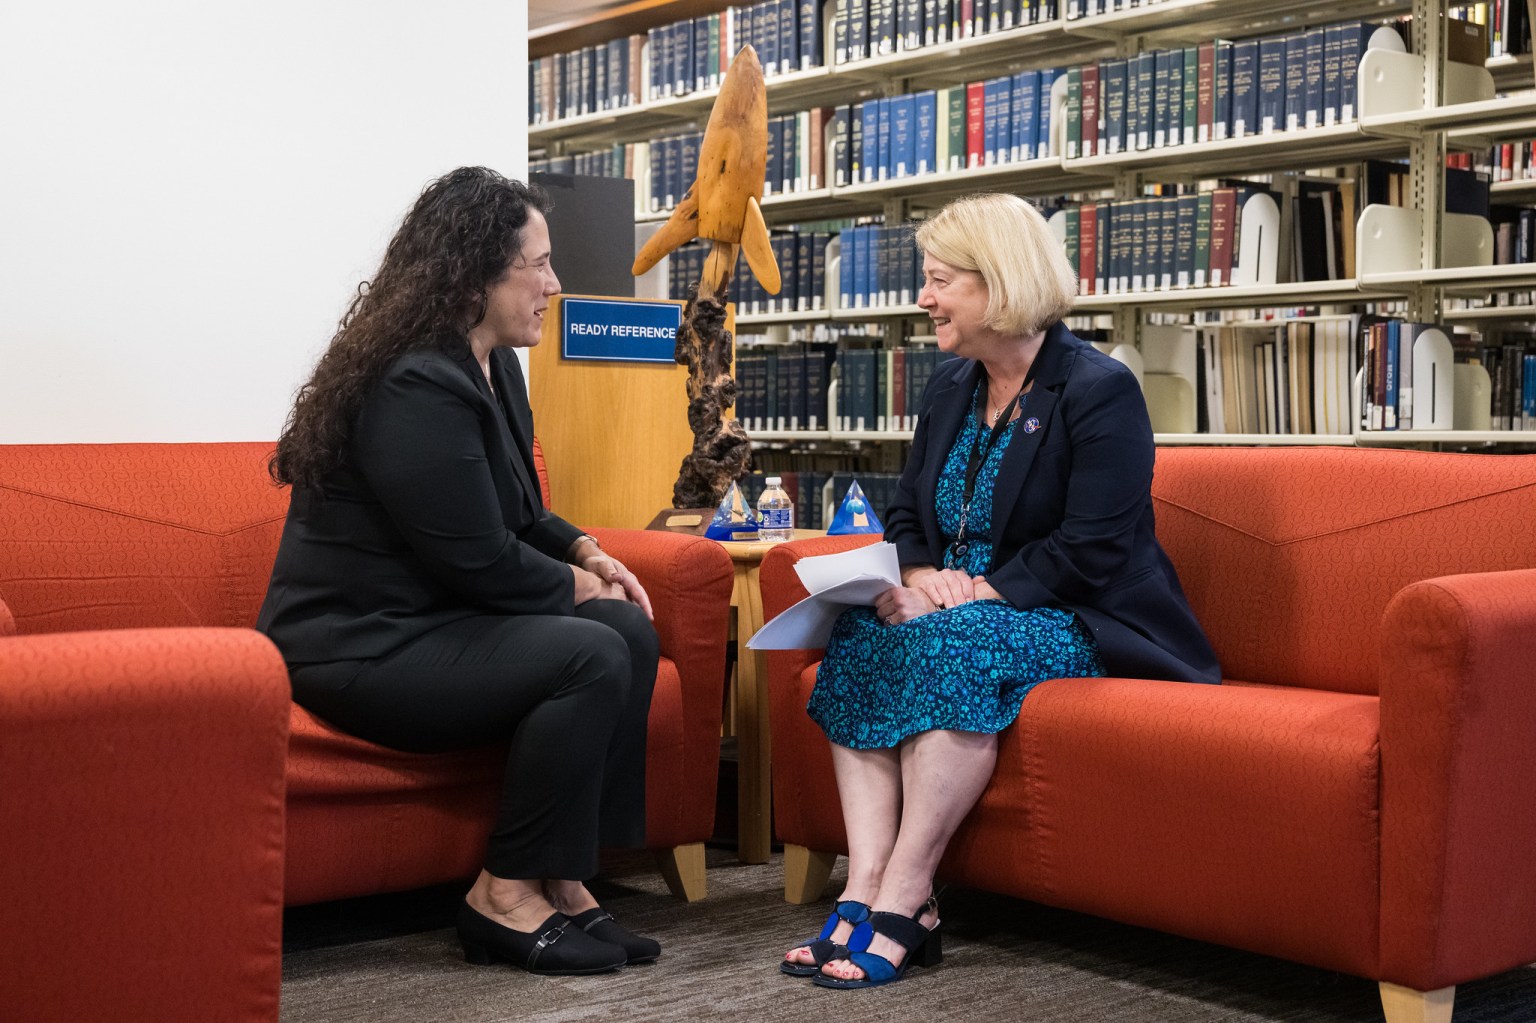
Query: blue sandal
x,y
924,948
823,948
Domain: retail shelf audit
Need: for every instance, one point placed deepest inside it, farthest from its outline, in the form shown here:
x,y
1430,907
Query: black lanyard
x,y
980,449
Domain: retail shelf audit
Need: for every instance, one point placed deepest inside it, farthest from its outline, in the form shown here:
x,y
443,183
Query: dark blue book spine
x,y
1184,240
700,52
1162,94
885,163
788,18
840,31
1312,111
1271,85
818,291
1176,74
1112,100
774,171
790,153
1295,80
856,160
845,269
841,152
1333,42
882,27
870,153
925,145
1221,97
858,29
1353,37
1026,111
903,136
811,42
1245,88
935,25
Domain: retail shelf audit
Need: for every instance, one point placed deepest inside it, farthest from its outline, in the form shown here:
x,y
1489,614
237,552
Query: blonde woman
x,y
1023,524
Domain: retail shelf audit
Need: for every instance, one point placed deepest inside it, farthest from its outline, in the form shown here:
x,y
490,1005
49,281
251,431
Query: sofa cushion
x,y
112,536
1289,556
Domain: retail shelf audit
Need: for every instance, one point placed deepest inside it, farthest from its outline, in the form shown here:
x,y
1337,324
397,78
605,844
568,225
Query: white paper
x,y
836,581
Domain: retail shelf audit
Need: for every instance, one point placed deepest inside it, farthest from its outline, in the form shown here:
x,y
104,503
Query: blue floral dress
x,y
965,668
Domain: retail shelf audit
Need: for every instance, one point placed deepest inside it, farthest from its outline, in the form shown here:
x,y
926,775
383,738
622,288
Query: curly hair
x,y
456,241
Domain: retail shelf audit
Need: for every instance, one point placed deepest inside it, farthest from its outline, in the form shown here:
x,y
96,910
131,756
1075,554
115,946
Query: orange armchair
x,y
137,536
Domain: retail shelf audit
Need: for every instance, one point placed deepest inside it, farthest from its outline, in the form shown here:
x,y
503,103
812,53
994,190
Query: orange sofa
x,y
181,537
1359,795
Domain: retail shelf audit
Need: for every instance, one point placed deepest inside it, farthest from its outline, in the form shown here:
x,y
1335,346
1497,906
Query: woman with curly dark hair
x,y
424,598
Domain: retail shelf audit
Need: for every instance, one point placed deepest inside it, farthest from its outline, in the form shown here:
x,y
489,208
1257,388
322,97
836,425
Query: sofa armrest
x,y
143,809
7,621
1458,831
689,581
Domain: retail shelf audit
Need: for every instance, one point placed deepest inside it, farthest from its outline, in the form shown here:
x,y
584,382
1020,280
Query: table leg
x,y
754,806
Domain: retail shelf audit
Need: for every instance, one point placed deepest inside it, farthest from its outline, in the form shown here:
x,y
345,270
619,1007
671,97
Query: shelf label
x,y
620,331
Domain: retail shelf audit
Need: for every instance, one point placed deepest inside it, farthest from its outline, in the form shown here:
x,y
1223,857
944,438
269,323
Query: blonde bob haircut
x,y
1005,239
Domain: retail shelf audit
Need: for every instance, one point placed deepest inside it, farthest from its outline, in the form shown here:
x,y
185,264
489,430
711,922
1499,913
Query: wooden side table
x,y
754,797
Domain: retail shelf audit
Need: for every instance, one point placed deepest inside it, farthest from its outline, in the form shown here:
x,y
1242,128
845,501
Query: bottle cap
x,y
773,481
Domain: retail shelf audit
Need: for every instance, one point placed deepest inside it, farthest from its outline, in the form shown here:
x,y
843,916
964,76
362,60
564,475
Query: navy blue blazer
x,y
434,515
1071,510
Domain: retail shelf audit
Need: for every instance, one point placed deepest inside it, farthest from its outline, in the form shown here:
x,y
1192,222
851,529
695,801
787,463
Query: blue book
x,y
1026,108
839,31
883,146
858,29
903,158
870,153
1312,109
841,146
810,45
1176,76
787,16
774,167
1188,207
1167,252
847,275
1389,394
1245,88
1295,80
1221,97
1333,42
856,143
1137,252
1354,36
1271,84
992,97
1048,77
765,27
700,52
882,27
1112,100
925,145
791,152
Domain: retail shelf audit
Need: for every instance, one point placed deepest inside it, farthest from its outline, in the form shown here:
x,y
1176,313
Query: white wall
x,y
190,190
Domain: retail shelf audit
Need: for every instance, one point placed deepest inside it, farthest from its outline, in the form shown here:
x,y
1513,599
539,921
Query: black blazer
x,y
434,515
1071,510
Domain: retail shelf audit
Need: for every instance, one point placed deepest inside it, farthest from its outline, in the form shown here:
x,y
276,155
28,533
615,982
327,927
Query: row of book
x,y
1158,243
1216,90
1514,234
674,59
1288,378
876,28
1511,367
785,388
1507,24
801,256
1505,161
879,266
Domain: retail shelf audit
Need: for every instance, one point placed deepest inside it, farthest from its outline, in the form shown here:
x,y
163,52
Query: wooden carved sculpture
x,y
722,205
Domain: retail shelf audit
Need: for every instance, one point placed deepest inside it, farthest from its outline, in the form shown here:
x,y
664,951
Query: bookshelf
x,y
1415,107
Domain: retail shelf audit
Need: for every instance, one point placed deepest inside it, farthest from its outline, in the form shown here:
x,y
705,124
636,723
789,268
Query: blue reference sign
x,y
613,329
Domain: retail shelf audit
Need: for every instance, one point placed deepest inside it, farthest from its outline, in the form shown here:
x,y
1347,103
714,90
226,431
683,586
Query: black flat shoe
x,y
556,948
599,923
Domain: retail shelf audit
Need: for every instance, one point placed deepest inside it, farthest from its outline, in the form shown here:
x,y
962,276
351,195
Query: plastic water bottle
x,y
775,511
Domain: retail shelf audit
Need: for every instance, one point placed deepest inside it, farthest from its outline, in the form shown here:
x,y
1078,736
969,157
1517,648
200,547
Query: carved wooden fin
x,y
681,228
758,249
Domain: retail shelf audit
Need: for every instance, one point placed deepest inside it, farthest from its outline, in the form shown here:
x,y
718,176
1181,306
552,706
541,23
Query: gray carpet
x,y
395,958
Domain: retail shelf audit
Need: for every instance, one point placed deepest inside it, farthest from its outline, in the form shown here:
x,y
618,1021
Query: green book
x,y
1074,112
1191,93
956,104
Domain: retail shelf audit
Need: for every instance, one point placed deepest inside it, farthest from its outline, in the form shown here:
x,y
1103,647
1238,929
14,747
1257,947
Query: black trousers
x,y
571,696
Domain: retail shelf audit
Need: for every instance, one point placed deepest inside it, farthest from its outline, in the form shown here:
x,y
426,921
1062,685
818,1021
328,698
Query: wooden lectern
x,y
614,433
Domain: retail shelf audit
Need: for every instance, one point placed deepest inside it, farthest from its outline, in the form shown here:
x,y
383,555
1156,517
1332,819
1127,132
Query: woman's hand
x,y
619,582
943,587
